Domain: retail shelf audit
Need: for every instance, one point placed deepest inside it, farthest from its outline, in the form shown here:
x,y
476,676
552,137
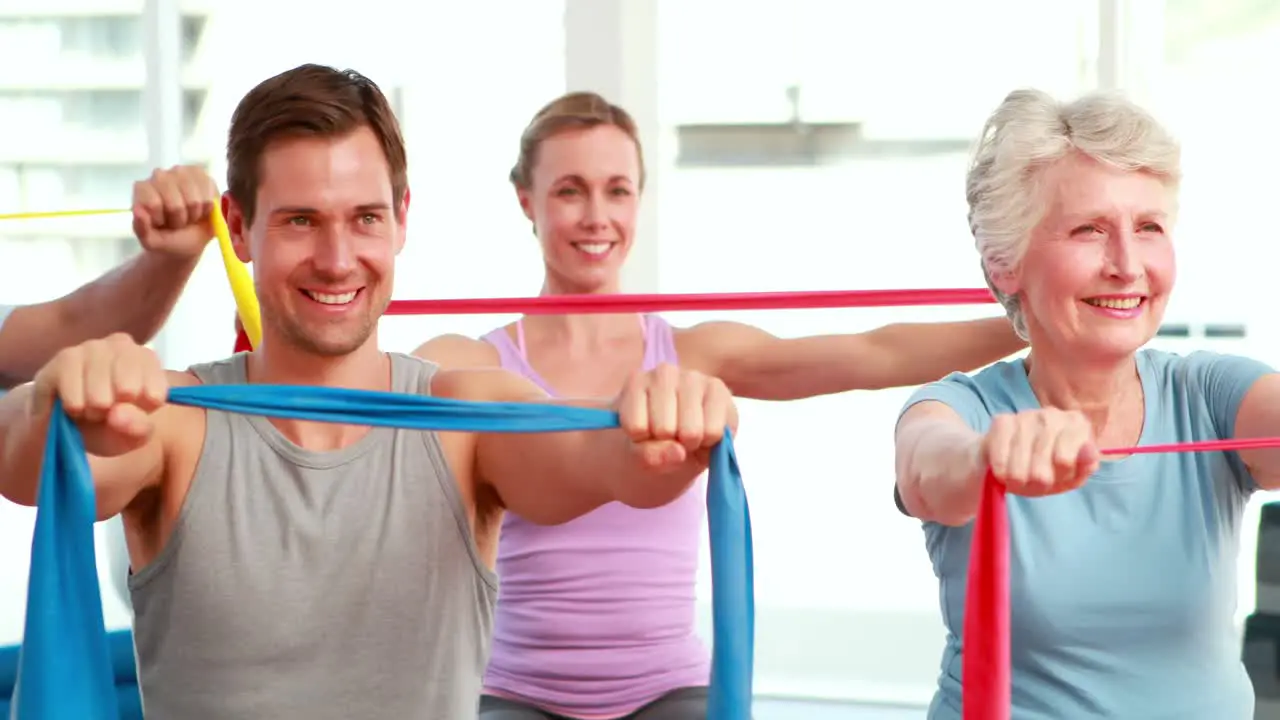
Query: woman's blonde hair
x,y
572,111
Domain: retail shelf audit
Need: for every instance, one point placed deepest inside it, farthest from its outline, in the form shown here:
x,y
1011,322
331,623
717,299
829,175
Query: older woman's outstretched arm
x,y
939,464
947,439
1256,392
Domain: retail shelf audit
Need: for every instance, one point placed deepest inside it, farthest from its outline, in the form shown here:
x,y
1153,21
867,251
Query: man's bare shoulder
x,y
176,422
458,351
182,378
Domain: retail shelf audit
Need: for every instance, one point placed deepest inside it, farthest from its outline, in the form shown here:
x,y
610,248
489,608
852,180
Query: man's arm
x,y
117,480
135,298
551,478
755,364
171,212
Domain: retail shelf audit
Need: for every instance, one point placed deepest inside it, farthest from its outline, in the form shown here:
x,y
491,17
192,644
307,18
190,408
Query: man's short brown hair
x,y
309,101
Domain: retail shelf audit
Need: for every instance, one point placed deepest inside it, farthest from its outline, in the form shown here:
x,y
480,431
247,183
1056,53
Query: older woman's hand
x,y
1041,452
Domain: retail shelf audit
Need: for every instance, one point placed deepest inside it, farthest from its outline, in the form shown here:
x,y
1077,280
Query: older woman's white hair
x,y
1027,133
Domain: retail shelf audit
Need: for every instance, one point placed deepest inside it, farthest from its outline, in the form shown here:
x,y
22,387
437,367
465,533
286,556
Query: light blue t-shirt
x,y
1122,593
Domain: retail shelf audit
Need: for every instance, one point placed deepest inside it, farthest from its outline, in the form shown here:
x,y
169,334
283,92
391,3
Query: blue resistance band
x,y
64,672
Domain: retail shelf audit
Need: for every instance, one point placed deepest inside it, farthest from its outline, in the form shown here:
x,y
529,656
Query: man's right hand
x,y
171,211
110,388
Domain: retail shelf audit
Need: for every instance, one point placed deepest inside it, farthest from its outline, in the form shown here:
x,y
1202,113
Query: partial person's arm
x,y
171,219
755,364
117,480
938,463
135,298
551,478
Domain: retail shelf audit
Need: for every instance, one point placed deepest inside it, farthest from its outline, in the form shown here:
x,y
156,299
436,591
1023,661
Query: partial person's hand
x,y
110,388
673,416
1040,452
171,211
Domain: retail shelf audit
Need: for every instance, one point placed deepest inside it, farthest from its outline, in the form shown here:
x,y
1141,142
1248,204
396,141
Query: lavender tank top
x,y
595,617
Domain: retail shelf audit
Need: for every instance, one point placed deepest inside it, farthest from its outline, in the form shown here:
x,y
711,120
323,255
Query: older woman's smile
x,y
1123,307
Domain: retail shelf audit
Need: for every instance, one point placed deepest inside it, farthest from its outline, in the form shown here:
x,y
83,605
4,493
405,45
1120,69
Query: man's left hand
x,y
674,415
171,211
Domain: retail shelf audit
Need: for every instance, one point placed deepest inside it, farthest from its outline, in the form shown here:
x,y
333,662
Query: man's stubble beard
x,y
298,336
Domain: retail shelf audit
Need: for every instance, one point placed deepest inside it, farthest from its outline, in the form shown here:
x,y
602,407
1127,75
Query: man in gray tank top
x,y
289,569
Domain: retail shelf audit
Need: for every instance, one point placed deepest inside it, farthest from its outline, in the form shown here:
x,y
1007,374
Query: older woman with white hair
x,y
1122,569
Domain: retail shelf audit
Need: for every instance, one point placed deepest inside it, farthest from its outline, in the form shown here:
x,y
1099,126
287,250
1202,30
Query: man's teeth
x,y
328,299
597,248
1116,303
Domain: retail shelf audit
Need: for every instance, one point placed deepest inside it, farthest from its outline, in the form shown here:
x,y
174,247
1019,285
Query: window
x,y
1216,56
192,106
1219,61
103,109
847,603
44,187
62,163
193,28
68,125
35,41
28,274
10,184
51,187
29,114
105,186
103,37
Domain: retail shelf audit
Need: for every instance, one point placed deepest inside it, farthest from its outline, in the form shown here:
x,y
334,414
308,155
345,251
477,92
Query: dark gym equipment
x,y
1262,629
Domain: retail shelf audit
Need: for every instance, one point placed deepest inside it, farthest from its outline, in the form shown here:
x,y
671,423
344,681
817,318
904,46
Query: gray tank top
x,y
315,585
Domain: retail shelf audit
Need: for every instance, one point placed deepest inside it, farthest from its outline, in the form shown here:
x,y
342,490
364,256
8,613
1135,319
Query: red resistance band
x,y
564,304
593,304
985,672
